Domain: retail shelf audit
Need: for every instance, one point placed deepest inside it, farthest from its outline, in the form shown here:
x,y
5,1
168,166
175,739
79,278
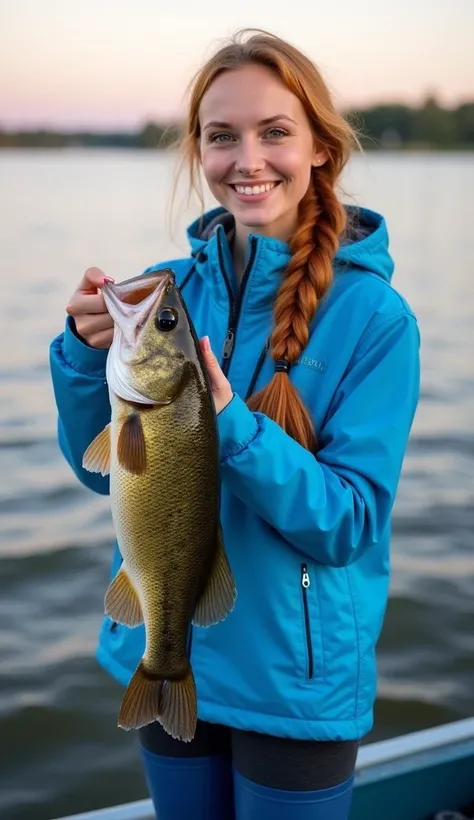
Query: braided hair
x,y
321,219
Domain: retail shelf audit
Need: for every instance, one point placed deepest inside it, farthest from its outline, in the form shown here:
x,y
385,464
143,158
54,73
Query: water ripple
x,y
62,751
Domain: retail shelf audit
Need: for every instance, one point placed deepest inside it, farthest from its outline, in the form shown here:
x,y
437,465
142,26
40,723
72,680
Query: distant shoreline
x,y
381,127
405,148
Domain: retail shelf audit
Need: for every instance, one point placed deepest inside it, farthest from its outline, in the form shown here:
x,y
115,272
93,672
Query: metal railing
x,y
372,755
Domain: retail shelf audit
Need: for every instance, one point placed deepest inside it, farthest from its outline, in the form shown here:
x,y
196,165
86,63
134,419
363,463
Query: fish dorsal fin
x,y
219,596
96,459
131,447
121,601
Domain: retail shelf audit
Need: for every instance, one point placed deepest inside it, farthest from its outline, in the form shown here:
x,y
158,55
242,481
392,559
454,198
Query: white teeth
x,y
256,189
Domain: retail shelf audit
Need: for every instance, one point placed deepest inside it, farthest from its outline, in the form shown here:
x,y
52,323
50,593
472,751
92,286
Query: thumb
x,y
93,278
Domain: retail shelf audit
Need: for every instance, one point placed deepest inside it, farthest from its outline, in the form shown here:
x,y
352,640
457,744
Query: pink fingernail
x,y
108,279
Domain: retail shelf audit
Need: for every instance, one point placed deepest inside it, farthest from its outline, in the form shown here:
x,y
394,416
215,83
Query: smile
x,y
254,190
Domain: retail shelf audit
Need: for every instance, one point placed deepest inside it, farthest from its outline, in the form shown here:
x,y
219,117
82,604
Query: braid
x,y
308,276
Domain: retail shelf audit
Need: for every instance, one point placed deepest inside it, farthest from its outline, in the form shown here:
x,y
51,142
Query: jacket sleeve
x,y
337,504
82,399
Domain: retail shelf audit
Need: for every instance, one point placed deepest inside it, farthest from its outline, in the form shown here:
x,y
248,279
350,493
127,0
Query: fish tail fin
x,y
179,707
172,702
142,700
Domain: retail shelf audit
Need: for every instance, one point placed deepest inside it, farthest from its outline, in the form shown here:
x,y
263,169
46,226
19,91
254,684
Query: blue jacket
x,y
307,537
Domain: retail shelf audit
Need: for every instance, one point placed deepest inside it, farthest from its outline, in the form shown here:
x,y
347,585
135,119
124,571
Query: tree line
x,y
385,126
429,126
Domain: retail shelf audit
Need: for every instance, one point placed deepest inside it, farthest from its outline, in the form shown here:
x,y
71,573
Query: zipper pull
x,y
305,582
228,344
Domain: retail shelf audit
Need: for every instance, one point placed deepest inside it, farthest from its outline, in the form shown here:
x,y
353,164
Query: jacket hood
x,y
365,244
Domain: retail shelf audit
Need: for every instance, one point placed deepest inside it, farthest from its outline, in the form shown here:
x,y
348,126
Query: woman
x,y
315,393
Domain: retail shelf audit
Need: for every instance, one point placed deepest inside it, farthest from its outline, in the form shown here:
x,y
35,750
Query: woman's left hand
x,y
221,389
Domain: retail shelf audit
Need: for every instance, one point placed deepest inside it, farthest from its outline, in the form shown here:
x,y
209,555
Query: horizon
x,y
63,67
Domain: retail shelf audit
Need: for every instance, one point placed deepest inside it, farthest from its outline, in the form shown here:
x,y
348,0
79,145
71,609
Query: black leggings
x,y
296,765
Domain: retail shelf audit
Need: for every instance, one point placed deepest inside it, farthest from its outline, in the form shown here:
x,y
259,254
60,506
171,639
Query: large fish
x,y
161,452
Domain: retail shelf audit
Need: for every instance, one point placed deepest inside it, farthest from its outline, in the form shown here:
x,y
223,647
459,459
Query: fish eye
x,y
167,319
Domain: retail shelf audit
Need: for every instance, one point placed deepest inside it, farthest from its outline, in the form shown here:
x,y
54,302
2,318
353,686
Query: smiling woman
x,y
261,117
258,167
282,274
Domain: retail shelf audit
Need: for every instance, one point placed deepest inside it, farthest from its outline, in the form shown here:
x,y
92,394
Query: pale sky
x,y
117,63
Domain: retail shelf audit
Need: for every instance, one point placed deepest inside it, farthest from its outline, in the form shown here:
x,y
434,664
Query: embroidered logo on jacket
x,y
315,363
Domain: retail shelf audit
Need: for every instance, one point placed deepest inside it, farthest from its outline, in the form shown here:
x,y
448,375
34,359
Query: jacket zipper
x,y
256,373
305,585
235,305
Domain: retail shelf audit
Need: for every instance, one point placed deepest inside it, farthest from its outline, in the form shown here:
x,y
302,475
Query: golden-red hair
x,y
321,218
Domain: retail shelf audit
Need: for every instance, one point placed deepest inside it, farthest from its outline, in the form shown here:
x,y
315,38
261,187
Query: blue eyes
x,y
272,133
220,138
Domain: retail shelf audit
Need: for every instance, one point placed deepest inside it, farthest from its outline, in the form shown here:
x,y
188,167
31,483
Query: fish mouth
x,y
131,302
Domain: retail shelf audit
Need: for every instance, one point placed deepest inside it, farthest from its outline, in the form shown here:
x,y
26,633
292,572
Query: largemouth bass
x,y
161,451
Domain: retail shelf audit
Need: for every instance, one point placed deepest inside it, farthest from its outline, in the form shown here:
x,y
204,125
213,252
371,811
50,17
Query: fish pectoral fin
x,y
96,459
131,448
121,601
219,596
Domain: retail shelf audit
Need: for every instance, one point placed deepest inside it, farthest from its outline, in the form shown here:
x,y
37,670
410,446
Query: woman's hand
x,y
221,389
87,307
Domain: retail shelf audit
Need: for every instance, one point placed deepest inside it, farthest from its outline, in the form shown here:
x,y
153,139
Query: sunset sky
x,y
117,63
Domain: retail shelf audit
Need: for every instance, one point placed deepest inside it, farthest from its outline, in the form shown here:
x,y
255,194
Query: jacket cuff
x,y
80,356
237,427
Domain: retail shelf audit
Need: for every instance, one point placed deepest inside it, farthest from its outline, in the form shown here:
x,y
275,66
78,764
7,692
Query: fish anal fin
x,y
96,459
219,596
121,601
131,447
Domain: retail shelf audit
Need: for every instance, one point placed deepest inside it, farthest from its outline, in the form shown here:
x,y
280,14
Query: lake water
x,y
60,750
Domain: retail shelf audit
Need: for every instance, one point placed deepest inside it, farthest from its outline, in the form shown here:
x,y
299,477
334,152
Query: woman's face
x,y
257,149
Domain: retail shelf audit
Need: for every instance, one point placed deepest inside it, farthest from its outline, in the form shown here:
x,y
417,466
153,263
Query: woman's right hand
x,y
87,307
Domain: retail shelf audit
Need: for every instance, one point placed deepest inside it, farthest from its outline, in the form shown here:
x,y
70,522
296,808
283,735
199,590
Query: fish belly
x,y
166,522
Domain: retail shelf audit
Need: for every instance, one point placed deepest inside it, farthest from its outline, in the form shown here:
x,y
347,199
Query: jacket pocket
x,y
311,627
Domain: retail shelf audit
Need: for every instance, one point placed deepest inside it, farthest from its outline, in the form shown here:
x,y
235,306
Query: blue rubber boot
x,y
253,802
200,788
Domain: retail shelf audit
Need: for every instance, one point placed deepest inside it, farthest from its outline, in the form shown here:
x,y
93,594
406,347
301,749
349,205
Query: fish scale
x,y
161,450
179,459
